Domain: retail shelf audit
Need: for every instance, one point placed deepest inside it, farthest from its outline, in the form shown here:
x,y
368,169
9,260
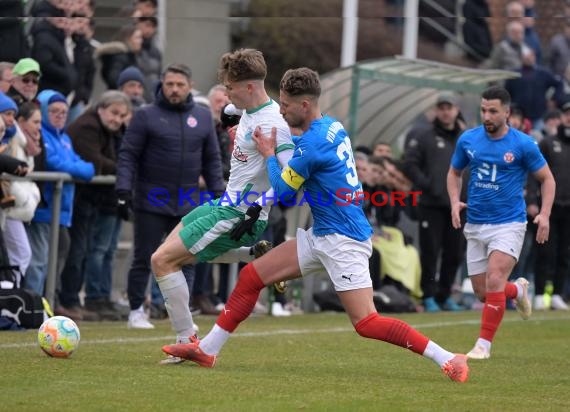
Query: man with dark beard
x,y
426,161
166,148
500,159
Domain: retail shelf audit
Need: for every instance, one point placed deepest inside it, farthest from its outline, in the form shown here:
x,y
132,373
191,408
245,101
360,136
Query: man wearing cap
x,y
25,79
426,159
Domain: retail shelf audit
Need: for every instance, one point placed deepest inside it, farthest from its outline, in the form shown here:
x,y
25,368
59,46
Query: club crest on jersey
x,y
509,157
191,121
239,155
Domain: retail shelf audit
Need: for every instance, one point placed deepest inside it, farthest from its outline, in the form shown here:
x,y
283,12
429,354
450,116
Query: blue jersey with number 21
x,y
499,169
323,163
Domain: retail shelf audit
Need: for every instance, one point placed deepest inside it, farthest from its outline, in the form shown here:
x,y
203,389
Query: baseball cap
x,y
446,97
25,66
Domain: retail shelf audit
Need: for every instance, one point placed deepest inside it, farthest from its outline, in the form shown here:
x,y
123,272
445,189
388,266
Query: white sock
x,y
484,342
176,297
234,255
213,342
519,290
437,354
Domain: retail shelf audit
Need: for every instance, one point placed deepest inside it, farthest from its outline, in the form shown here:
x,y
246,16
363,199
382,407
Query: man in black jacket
x,y
426,161
552,256
166,148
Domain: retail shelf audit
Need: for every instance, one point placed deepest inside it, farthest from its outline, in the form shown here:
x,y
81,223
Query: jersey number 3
x,y
344,153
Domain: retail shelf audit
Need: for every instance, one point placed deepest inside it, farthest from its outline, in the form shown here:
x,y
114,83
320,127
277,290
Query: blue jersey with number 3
x,y
323,158
499,169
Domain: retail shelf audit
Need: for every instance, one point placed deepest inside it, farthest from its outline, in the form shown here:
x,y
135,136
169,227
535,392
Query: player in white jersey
x,y
248,178
205,234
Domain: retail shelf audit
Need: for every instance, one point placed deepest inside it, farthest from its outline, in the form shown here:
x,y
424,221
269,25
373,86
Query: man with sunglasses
x,y
25,78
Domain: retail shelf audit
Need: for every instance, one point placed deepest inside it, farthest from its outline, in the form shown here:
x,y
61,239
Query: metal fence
x,y
58,179
296,215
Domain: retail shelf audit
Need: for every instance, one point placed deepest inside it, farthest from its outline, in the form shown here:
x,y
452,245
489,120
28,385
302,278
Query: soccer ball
x,y
58,337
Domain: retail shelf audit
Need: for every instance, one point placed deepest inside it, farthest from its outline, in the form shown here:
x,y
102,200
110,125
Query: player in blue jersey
x,y
339,242
499,158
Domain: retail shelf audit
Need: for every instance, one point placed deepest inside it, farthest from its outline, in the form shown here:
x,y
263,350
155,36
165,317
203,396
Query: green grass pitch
x,y
313,362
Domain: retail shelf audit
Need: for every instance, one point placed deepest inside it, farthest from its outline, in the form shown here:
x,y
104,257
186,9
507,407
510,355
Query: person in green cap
x,y
25,79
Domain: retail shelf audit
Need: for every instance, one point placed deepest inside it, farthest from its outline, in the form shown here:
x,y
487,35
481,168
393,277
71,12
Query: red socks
x,y
393,331
493,312
511,290
242,300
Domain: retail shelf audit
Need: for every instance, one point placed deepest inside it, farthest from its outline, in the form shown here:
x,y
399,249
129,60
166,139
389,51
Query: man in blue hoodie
x,y
60,157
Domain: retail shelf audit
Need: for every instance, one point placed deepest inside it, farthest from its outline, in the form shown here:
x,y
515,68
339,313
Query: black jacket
x,y
18,97
84,63
58,73
556,151
427,158
115,56
12,37
163,153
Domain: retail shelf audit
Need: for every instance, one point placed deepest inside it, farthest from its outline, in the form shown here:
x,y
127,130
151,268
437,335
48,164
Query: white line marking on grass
x,y
274,333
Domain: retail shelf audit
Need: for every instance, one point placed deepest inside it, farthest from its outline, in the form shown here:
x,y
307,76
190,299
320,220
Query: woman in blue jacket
x,y
59,157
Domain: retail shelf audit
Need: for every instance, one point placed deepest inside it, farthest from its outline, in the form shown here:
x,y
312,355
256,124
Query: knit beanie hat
x,y
128,74
6,103
57,97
